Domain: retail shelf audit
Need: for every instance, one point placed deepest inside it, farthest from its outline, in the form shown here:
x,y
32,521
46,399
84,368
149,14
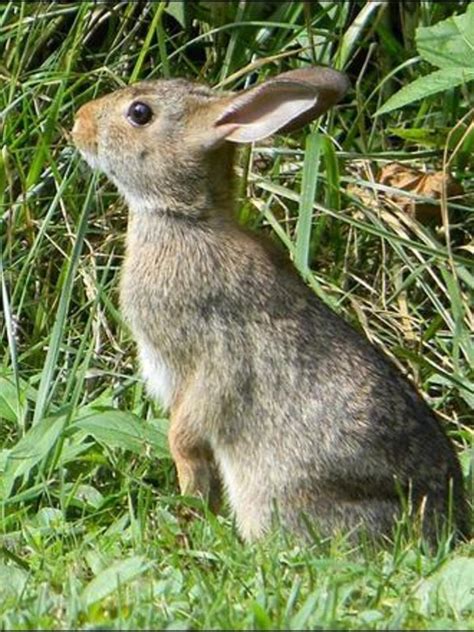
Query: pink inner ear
x,y
263,111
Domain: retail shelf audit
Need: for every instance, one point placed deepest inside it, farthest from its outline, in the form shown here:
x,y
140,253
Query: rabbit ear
x,y
283,103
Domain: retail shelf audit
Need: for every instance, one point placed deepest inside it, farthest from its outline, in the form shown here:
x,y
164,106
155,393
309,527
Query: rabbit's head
x,y
168,144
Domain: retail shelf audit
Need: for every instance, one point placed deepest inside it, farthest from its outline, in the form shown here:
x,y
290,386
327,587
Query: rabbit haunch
x,y
269,391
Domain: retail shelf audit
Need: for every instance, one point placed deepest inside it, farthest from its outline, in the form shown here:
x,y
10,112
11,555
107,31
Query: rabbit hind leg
x,y
194,459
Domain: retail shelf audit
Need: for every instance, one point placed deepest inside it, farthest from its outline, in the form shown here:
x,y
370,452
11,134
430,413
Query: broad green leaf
x,y
451,587
97,561
177,9
50,517
438,137
9,402
30,450
84,496
12,581
437,81
112,578
450,43
71,450
13,399
370,616
120,429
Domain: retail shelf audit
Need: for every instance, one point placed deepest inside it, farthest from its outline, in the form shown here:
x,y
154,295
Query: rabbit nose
x,y
84,131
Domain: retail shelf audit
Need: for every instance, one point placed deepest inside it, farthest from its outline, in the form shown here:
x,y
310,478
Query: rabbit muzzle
x,y
84,131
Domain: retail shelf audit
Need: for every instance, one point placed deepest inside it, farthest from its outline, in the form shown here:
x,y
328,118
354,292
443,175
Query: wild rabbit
x,y
268,390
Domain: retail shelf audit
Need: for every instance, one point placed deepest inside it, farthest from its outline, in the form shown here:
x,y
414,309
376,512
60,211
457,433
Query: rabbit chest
x,y
157,296
146,306
143,312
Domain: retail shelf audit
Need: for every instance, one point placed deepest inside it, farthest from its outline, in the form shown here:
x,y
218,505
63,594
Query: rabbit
x,y
273,399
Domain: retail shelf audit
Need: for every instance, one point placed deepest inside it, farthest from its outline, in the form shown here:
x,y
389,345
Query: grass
x,y
93,533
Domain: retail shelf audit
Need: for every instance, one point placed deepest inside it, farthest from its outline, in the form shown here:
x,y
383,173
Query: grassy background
x,y
92,530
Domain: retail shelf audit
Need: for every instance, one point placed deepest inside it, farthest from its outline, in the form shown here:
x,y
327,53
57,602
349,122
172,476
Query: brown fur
x,y
268,389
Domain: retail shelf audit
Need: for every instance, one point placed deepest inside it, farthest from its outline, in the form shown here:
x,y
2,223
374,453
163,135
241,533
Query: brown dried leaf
x,y
413,180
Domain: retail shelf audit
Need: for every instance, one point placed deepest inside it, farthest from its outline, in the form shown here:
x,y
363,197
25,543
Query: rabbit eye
x,y
139,113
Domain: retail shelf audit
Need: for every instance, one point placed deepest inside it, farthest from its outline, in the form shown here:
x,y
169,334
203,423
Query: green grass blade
x,y
313,148
46,389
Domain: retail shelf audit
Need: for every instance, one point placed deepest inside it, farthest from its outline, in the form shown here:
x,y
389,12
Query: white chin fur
x,y
136,203
91,159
